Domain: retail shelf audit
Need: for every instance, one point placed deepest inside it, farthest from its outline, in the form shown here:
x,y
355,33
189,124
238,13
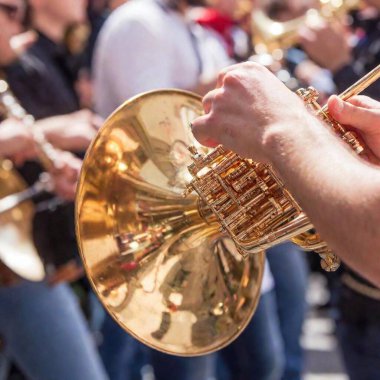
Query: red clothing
x,y
220,23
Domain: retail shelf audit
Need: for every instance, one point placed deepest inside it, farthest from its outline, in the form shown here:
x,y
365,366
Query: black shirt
x,y
43,79
43,82
366,56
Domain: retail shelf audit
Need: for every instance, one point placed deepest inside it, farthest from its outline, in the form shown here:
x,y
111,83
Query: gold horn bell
x,y
158,261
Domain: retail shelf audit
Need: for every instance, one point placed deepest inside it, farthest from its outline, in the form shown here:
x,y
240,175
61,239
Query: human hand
x,y
327,45
87,118
362,114
16,141
65,175
73,131
248,103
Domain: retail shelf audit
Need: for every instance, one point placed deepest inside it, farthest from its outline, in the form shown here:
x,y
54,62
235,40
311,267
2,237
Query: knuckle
x,y
206,100
219,97
221,76
232,78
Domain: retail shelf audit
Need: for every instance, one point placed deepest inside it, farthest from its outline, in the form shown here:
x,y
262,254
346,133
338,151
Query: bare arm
x,y
339,192
73,132
255,115
18,144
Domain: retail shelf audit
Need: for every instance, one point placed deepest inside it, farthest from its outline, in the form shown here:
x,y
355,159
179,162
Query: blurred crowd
x,y
70,64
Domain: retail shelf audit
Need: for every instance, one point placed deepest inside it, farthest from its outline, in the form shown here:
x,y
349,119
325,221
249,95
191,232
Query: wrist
x,y
282,138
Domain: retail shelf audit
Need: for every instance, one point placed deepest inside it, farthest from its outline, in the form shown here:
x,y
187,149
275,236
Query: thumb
x,y
352,115
202,131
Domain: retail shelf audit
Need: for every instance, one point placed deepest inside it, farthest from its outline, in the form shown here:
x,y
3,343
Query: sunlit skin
x,y
16,140
254,114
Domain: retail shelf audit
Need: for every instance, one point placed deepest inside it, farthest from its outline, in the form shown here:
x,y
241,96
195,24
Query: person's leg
x,y
178,368
45,333
123,356
290,273
257,354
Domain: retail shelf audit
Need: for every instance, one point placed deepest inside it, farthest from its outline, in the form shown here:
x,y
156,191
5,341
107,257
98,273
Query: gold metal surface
x,y
158,261
270,36
183,274
250,200
17,251
311,240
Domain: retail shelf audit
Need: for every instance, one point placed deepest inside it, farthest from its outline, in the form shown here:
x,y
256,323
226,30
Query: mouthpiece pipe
x,y
359,86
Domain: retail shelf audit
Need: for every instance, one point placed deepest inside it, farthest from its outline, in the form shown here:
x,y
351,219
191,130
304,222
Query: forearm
x,y
65,133
339,192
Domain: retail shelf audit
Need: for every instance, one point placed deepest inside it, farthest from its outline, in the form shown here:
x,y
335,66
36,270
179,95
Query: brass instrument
x,y
17,251
250,200
271,36
181,274
158,261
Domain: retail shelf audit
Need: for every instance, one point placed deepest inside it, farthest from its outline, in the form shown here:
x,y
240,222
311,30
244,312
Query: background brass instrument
x,y
164,266
270,36
17,251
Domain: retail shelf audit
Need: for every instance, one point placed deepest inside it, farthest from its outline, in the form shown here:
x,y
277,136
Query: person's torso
x,y
44,86
187,53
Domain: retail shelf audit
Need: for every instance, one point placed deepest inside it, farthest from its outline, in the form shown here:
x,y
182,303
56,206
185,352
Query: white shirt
x,y
143,46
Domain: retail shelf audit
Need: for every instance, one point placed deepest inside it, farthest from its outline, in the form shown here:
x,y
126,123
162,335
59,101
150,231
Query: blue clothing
x,y
257,354
269,348
45,333
124,357
290,273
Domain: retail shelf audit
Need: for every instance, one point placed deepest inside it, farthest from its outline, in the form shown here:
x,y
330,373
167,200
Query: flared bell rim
x,y
245,303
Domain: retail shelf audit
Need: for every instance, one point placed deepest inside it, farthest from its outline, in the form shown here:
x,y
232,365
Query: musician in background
x,y
146,45
132,40
15,137
43,79
17,144
348,52
42,326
